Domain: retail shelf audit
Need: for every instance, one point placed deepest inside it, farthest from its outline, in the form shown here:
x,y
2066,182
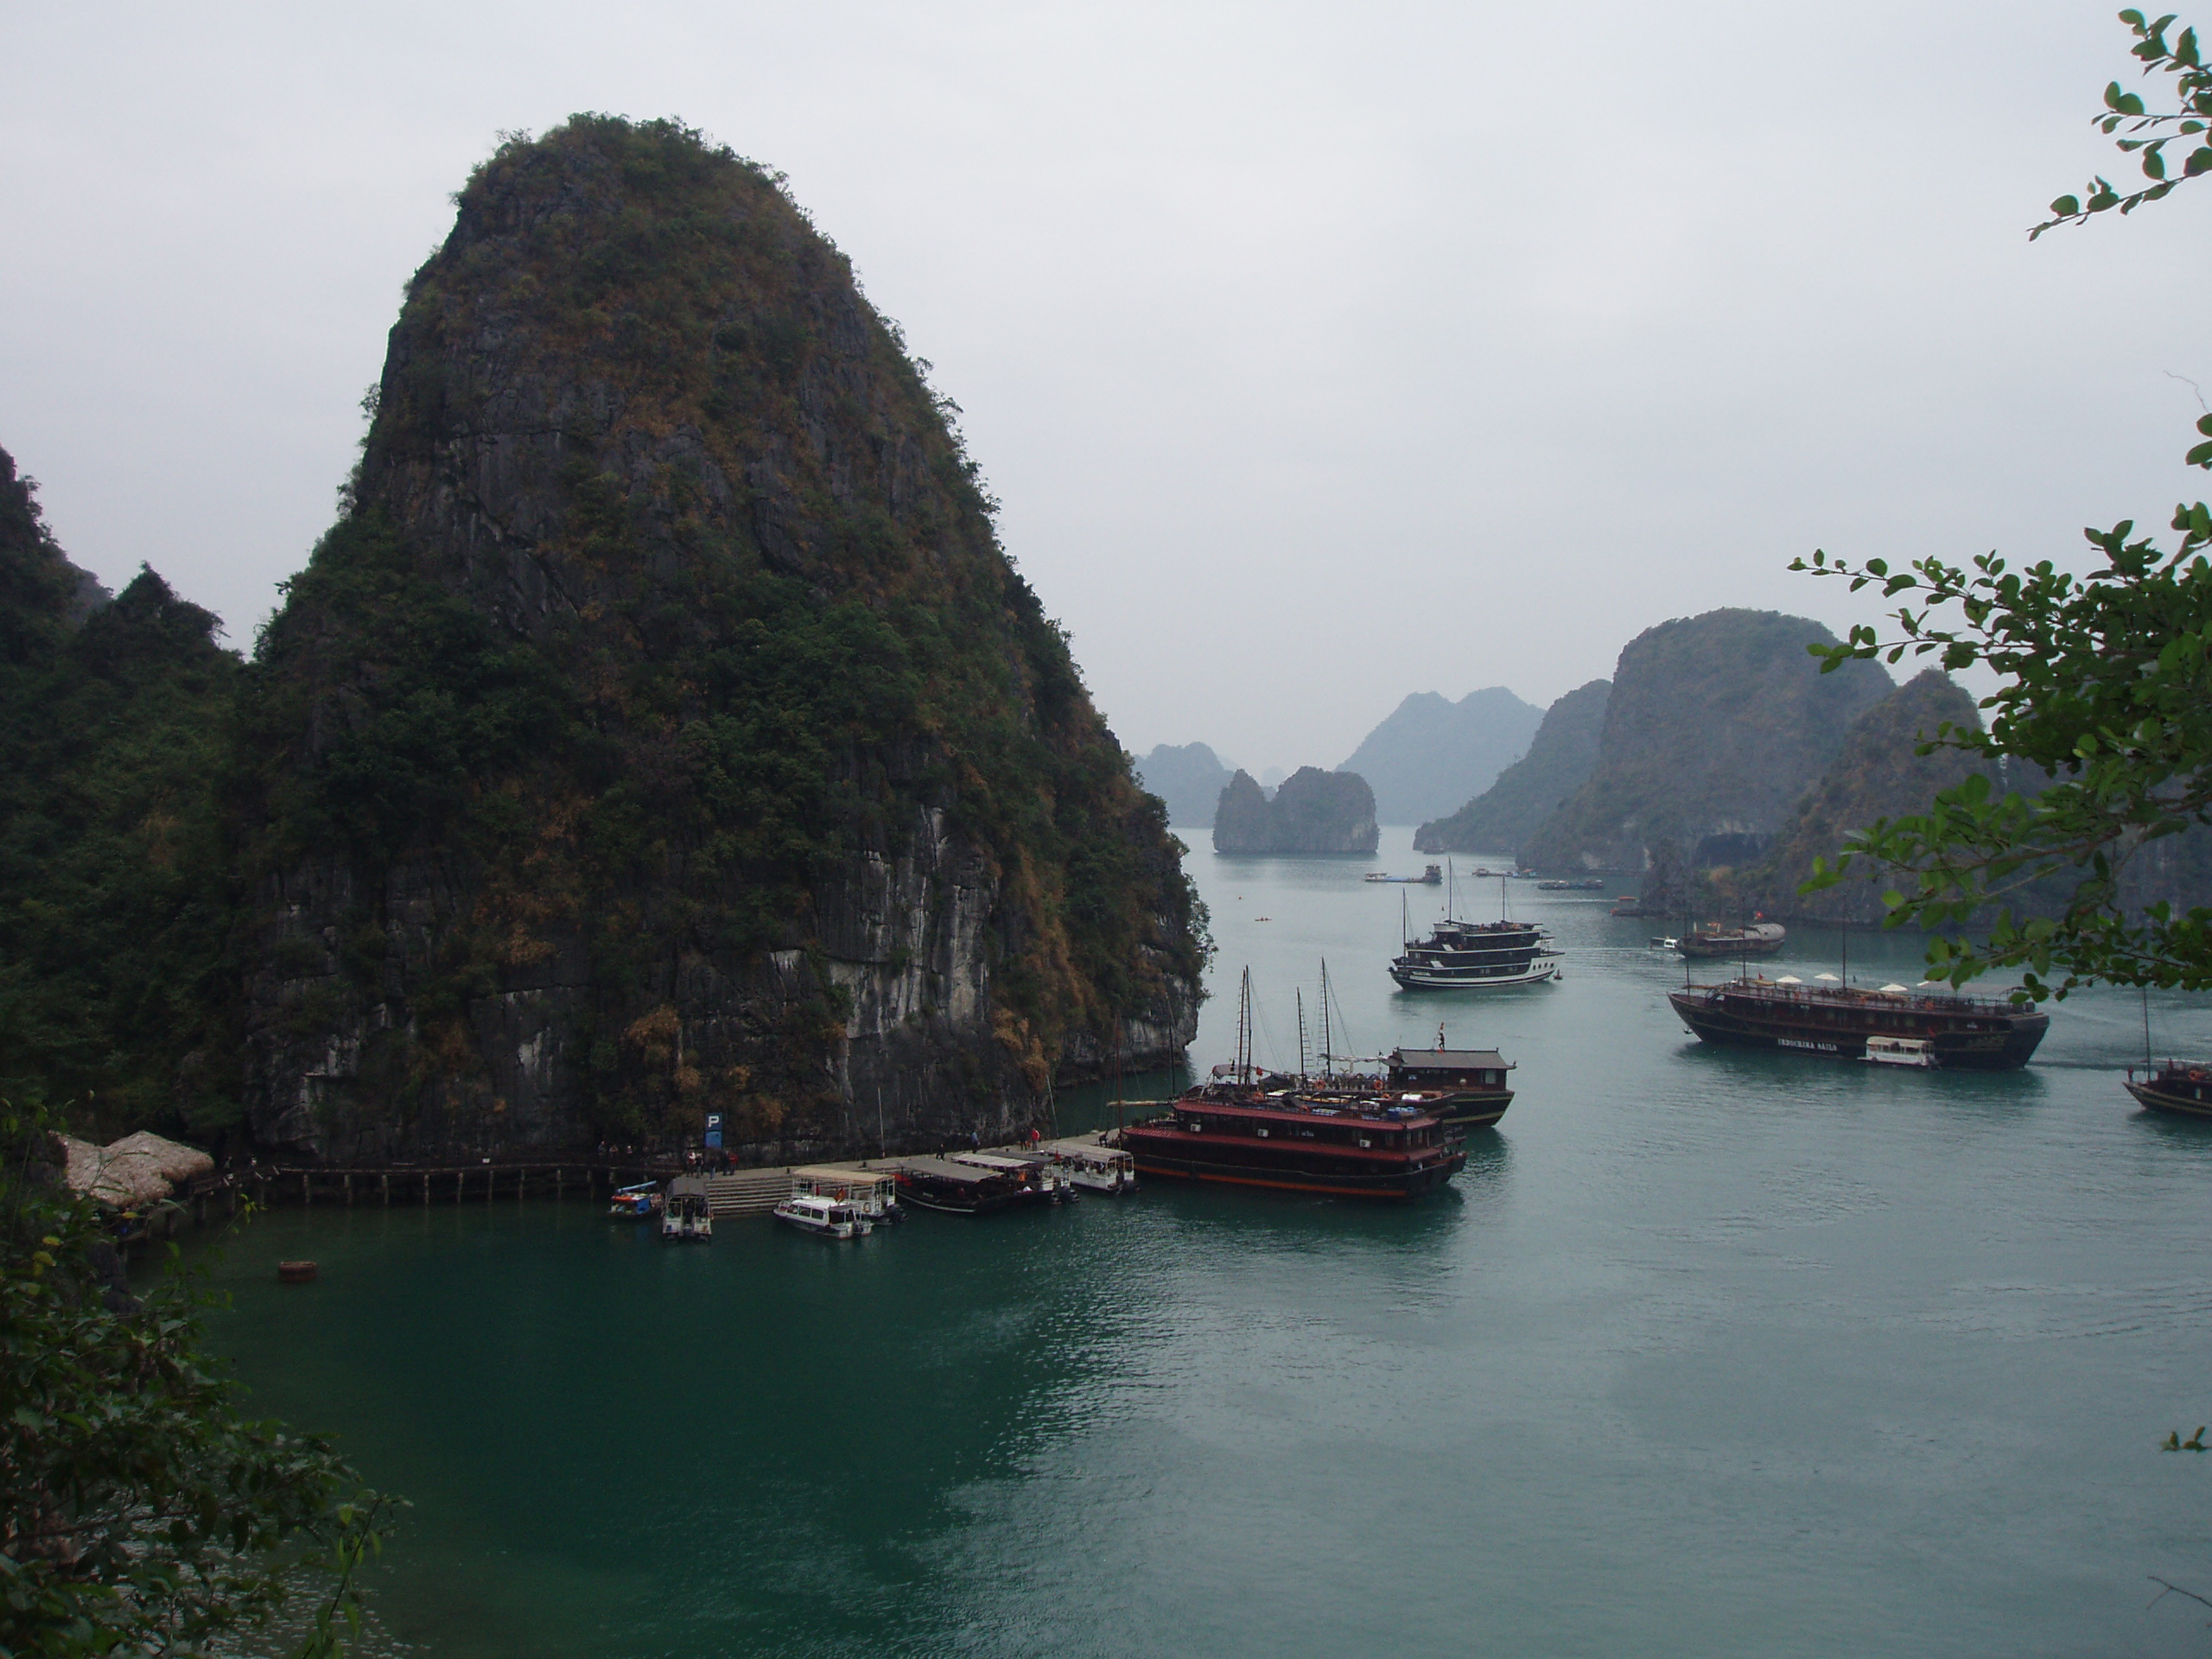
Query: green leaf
x,y
2066,206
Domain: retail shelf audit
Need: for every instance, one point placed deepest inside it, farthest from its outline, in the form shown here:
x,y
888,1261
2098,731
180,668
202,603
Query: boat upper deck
x,y
1762,990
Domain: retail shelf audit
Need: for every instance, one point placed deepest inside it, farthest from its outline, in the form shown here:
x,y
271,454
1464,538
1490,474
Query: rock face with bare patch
x,y
662,732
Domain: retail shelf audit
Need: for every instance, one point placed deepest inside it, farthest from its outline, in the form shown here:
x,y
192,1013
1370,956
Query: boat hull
x,y
1986,1043
1421,977
1174,1155
2175,1098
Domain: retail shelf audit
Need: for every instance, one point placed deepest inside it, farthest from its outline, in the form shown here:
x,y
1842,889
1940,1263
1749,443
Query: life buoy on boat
x,y
2196,1075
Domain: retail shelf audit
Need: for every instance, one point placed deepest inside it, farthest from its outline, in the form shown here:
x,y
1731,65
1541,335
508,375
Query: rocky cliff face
x,y
1876,774
1431,755
1189,778
1560,758
1715,725
1313,812
114,893
662,730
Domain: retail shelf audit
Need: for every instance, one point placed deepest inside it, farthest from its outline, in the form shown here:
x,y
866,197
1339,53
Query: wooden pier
x,y
479,1183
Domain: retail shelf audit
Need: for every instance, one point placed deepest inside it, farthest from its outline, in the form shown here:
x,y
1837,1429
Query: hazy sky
x,y
1319,354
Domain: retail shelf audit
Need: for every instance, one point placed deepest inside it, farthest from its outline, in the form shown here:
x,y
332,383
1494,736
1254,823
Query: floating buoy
x,y
296,1273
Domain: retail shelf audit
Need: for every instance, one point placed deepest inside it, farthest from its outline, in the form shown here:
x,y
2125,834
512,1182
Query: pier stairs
x,y
748,1192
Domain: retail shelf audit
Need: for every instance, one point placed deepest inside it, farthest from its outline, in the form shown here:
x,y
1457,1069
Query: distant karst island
x,y
1312,811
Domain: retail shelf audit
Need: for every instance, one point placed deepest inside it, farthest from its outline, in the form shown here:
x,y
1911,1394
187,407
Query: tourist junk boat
x,y
1245,1127
1476,955
1759,939
1432,876
1243,1136
963,1189
1837,1022
686,1214
824,1218
2182,1086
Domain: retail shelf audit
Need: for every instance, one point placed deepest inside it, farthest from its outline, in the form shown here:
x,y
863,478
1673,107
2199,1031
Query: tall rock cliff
x,y
1313,812
1431,754
661,731
1876,774
1188,778
115,893
1715,725
1559,760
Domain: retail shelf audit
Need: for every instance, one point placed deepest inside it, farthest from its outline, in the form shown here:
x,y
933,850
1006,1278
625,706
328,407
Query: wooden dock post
x,y
384,1181
426,1189
557,1174
349,1189
306,1197
459,1176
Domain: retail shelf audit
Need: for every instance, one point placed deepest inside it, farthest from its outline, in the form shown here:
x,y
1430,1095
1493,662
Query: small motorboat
x,y
823,1218
1099,1169
686,1216
637,1203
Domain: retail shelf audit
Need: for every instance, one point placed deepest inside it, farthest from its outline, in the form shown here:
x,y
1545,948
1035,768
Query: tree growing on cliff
x,y
2107,686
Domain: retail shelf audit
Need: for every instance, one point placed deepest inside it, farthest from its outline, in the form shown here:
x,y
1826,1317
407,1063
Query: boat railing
x,y
1830,994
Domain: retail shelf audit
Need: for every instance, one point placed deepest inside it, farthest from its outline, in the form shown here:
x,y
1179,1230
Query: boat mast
x,y
1245,1029
1299,991
1405,921
1846,951
1328,1042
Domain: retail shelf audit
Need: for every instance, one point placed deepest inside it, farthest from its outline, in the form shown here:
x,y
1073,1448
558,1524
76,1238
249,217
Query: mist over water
x,y
1704,1353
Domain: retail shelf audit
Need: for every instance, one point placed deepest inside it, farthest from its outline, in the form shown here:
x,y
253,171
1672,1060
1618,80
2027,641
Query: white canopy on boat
x,y
1789,979
1831,978
1899,989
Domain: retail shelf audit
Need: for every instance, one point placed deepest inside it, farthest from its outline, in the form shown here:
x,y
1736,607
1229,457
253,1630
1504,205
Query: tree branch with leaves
x,y
2102,728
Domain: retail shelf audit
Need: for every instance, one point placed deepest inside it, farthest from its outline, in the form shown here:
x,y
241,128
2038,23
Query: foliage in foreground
x,y
2107,691
140,1511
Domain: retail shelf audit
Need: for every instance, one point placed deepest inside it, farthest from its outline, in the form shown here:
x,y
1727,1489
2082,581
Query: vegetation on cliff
x,y
1559,759
1313,812
666,622
1714,727
1886,767
115,895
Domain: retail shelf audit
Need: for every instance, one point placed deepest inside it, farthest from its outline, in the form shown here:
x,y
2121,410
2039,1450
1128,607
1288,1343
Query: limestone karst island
x,y
706,1040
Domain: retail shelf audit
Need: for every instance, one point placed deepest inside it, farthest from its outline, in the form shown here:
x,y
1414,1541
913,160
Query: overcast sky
x,y
1319,354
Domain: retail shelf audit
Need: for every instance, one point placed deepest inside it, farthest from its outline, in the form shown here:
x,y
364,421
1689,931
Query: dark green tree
x,y
2103,719
141,1511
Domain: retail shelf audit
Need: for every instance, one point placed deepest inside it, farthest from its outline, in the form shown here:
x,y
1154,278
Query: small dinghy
x,y
639,1203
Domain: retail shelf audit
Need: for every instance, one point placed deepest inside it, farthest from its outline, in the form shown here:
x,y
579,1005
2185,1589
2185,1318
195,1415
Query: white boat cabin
x,y
823,1218
1900,1051
1100,1169
873,1192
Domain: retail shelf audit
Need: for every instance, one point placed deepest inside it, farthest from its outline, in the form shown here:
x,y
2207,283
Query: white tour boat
x,y
823,1218
1100,1169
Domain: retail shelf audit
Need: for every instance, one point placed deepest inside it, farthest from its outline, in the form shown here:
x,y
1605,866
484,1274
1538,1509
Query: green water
x,y
1705,1354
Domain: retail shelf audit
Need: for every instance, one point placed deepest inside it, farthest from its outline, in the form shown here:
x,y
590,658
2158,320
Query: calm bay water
x,y
1705,1354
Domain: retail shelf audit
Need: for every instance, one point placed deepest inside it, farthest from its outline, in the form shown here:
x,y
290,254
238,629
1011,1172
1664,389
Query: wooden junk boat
x,y
1759,939
1246,1128
965,1189
1248,1137
2182,1086
1837,1022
